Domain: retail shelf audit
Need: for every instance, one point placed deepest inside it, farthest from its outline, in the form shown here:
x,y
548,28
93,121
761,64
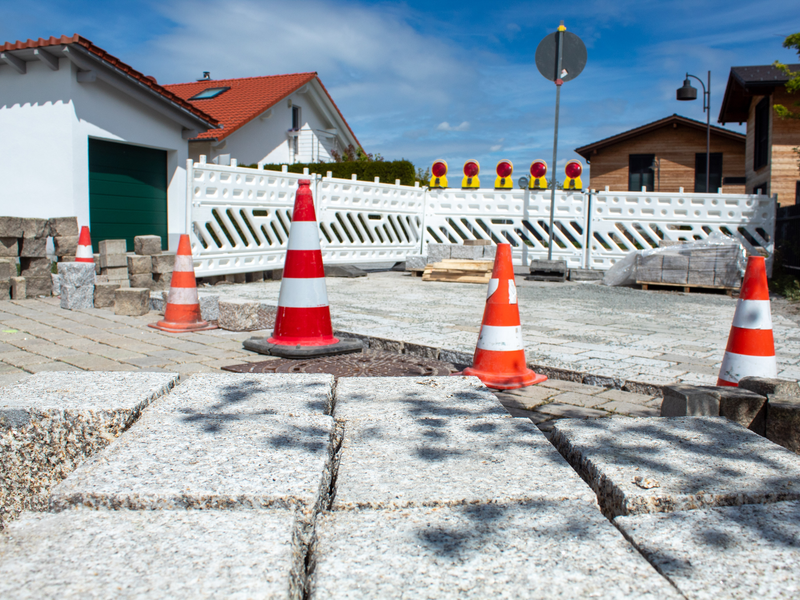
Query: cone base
x,y
499,381
183,327
266,346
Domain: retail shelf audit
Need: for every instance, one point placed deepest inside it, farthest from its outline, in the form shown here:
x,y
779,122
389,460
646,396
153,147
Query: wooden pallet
x,y
687,288
459,271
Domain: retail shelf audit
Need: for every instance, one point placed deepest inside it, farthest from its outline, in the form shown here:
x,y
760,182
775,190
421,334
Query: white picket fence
x,y
240,218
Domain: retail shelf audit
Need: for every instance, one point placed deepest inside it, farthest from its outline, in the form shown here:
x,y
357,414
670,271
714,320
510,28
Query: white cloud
x,y
496,148
445,126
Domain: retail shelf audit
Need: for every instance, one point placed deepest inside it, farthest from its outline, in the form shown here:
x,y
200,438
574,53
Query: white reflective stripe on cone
x,y
493,284
736,366
752,314
179,295
84,252
512,292
303,292
500,339
184,264
303,235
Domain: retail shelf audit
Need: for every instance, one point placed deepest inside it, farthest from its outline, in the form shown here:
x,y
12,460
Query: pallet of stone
x,y
459,271
547,270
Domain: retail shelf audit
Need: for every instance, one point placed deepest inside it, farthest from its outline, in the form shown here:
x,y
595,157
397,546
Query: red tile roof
x,y
248,98
150,82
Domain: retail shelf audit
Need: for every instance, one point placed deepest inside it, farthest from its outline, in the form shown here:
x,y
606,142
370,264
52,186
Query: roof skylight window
x,y
209,93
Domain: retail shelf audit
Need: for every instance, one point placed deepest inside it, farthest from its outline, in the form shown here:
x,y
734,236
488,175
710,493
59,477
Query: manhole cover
x,y
370,363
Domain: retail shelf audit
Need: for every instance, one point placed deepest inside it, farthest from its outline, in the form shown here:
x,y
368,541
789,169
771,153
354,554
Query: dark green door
x,y
127,192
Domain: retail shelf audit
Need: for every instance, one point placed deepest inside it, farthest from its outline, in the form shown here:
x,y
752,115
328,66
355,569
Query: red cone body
x,y
304,317
84,251
499,360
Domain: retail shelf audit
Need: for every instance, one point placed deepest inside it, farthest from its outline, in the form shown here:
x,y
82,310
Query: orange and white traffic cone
x,y
182,313
303,323
84,251
751,347
499,360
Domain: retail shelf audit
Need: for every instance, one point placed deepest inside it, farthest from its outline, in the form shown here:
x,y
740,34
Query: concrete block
x,y
111,247
123,283
209,307
139,265
239,278
65,245
133,302
33,247
161,281
63,227
110,261
521,550
35,228
737,552
158,301
8,269
56,281
77,298
764,386
10,227
38,286
648,275
9,246
650,261
585,275
75,274
151,554
144,280
739,405
663,465
732,279
416,261
675,276
477,242
255,276
96,258
51,422
115,273
489,251
245,315
105,294
147,244
18,288
548,266
675,262
163,263
5,290
466,252
698,277
34,267
783,422
401,462
438,252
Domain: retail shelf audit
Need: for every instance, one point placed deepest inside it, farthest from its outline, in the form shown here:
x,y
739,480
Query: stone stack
x,y
148,253
64,231
113,262
710,266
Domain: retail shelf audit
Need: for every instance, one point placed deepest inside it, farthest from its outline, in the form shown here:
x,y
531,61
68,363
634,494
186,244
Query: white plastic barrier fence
x,y
240,218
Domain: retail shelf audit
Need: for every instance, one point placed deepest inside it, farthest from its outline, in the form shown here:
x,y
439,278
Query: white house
x,y
281,119
85,134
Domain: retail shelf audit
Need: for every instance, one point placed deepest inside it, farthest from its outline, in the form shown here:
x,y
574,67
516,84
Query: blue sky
x,y
455,80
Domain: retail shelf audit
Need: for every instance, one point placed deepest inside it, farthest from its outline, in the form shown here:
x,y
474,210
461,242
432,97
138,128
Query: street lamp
x,y
687,92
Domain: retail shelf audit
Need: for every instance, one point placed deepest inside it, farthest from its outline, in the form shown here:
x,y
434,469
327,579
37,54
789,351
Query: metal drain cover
x,y
370,363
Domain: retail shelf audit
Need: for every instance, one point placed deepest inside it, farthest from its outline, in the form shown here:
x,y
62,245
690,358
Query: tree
x,y
793,85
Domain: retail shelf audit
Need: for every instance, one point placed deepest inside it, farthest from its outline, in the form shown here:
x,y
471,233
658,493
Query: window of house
x,y
715,180
761,139
209,93
296,122
640,172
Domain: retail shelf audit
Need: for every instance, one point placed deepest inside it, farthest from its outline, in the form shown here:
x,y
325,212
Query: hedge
x,y
387,170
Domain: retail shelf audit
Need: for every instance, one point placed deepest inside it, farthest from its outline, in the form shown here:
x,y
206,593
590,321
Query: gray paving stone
x,y
51,422
62,226
147,244
780,388
738,552
414,398
737,404
131,302
668,464
527,550
416,261
578,399
570,411
244,315
152,554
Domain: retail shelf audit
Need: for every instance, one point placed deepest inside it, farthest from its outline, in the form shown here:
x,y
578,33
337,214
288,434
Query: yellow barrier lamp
x,y
471,171
573,170
504,170
538,172
439,171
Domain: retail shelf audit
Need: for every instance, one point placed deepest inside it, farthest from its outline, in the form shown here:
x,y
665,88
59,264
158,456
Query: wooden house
x,y
771,163
667,155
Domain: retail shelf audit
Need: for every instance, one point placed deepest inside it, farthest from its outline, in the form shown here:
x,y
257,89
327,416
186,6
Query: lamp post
x,y
655,166
687,92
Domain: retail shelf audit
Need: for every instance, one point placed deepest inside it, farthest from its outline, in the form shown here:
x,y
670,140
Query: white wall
x,y
46,120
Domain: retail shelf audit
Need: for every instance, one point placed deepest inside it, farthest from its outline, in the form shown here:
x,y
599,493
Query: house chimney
x,y
206,76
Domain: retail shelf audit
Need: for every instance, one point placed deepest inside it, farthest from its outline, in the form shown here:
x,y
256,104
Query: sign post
x,y
560,57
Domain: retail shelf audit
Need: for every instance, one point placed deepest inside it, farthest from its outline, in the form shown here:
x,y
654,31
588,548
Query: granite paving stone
x,y
570,411
667,464
537,549
736,552
152,554
579,399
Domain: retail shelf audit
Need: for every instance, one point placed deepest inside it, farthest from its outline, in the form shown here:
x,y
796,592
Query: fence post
x,y
189,180
423,231
587,244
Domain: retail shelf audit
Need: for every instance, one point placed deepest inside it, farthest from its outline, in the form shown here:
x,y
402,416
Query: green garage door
x,y
127,192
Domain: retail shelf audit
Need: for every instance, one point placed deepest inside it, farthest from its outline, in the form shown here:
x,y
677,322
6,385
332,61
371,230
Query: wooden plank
x,y
686,288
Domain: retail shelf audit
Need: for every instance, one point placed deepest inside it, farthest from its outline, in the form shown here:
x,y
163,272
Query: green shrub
x,y
388,170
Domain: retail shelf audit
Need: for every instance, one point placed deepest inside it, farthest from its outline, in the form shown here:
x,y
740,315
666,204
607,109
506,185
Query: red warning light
x,y
504,168
538,169
471,168
573,169
439,168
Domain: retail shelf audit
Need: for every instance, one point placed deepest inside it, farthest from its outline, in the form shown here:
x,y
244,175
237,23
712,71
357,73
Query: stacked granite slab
x,y
711,504
113,262
710,266
465,251
440,494
212,492
51,422
149,254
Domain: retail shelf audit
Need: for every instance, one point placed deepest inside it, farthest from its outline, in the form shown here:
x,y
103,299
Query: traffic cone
x,y
303,322
84,251
499,360
751,347
182,313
